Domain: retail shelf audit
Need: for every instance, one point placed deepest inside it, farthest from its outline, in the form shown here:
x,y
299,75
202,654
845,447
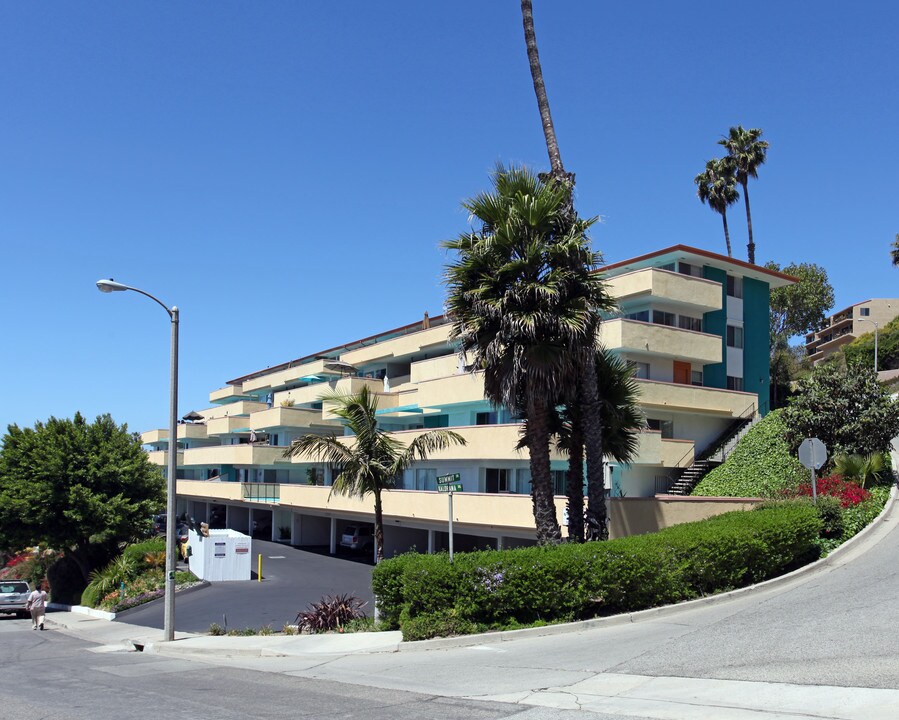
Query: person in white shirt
x,y
37,604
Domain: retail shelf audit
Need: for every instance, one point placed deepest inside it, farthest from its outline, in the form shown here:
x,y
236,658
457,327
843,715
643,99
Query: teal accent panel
x,y
757,341
436,421
228,473
715,323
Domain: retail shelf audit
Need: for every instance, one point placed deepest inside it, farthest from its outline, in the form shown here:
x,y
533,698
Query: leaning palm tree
x,y
746,152
523,300
372,461
587,398
717,186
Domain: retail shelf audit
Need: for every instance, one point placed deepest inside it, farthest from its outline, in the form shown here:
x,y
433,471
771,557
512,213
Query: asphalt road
x,y
53,676
291,579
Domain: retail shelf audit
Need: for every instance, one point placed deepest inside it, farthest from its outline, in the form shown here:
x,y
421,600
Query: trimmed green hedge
x,y
426,595
760,466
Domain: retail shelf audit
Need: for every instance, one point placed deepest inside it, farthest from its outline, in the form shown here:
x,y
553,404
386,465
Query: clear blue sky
x,y
284,172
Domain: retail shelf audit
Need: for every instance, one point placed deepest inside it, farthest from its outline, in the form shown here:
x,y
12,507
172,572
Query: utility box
x,y
223,555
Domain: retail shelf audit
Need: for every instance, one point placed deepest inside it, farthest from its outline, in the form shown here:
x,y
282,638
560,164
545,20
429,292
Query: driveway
x,y
291,579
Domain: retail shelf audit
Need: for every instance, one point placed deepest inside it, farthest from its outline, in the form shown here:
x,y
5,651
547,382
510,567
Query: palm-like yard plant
x,y
894,251
371,462
860,468
717,187
746,152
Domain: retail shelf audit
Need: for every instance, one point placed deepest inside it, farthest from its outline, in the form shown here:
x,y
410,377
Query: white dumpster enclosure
x,y
224,555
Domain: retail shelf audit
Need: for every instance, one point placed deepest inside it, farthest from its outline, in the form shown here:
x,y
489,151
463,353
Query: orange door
x,y
681,372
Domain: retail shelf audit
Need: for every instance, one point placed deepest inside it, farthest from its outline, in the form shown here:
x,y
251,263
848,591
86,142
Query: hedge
x,y
761,465
426,595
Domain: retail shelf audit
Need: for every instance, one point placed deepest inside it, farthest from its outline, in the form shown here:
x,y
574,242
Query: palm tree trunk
x,y
575,485
549,132
750,248
726,234
597,520
379,527
548,531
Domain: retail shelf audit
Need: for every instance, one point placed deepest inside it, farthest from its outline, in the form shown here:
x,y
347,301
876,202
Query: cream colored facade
x,y
673,309
848,324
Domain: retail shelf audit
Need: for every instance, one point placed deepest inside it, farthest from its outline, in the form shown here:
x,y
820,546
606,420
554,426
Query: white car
x,y
13,596
358,537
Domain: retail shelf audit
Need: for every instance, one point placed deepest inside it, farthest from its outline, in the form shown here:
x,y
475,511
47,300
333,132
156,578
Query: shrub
x,y
830,512
857,517
497,589
138,552
216,629
331,613
848,493
761,465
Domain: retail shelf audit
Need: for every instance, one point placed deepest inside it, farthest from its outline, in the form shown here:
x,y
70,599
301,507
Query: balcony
x,y
694,399
413,343
660,341
651,283
287,417
242,455
227,426
226,395
241,407
309,394
186,431
451,390
161,457
280,378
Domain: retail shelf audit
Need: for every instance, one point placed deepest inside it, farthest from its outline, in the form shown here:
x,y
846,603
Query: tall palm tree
x,y
588,398
522,296
894,251
717,186
372,461
746,152
549,131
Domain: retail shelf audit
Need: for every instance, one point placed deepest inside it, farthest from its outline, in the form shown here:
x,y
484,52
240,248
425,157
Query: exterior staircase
x,y
713,457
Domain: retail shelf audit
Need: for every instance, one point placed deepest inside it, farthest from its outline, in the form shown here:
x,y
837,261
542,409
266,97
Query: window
x,y
696,378
642,316
666,427
734,286
641,369
734,383
734,336
560,482
864,312
486,418
689,323
660,317
688,269
425,479
667,266
497,480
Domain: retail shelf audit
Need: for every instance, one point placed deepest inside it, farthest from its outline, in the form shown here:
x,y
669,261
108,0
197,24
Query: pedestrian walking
x,y
37,604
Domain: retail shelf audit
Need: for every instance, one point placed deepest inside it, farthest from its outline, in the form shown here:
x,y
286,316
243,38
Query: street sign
x,y
449,487
451,478
812,453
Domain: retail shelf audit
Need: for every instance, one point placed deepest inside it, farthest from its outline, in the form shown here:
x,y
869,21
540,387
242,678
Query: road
x,y
292,579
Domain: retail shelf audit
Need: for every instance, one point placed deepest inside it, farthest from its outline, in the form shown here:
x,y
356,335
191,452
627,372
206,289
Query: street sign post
x,y
813,455
449,484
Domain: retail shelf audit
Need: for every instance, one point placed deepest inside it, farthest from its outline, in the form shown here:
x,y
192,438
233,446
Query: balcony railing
x,y
261,492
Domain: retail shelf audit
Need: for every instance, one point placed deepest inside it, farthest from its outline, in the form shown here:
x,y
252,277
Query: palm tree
x,y
860,468
717,186
894,252
372,461
746,152
523,298
549,131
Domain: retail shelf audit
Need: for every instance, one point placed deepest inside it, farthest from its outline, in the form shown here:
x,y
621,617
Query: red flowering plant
x,y
847,492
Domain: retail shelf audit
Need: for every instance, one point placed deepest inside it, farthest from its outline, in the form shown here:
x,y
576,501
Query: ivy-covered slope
x,y
760,465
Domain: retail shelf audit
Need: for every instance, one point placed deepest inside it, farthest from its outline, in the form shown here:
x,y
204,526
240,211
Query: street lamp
x,y
108,286
874,323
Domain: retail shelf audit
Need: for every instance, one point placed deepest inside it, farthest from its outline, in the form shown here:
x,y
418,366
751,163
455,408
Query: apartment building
x,y
693,323
844,326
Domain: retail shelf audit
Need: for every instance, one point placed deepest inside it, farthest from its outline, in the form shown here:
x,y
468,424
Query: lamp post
x,y
874,323
108,286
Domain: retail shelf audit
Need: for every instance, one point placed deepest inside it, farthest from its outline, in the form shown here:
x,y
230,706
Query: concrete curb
x,y
834,559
